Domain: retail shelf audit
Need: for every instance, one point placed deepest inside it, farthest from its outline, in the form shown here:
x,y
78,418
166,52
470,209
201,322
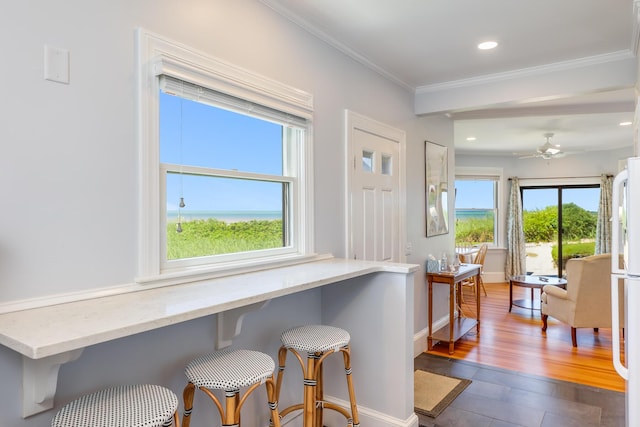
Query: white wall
x,y
69,168
439,130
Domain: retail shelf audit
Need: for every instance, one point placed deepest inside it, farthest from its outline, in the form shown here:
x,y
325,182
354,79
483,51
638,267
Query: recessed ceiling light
x,y
471,138
625,123
487,45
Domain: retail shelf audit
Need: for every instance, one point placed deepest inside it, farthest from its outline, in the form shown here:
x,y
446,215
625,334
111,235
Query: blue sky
x,y
199,135
473,194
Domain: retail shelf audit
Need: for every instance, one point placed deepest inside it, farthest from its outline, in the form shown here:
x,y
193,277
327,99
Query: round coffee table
x,y
533,282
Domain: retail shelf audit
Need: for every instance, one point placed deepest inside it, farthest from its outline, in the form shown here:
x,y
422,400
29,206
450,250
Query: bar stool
x,y
228,370
318,341
139,405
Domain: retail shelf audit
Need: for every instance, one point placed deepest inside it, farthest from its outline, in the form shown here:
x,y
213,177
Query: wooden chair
x,y
479,259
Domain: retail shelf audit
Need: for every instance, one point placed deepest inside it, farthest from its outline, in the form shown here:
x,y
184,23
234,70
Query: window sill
x,y
176,277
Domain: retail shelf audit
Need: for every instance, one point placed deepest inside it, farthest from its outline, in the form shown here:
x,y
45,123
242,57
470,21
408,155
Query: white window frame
x,y
488,173
160,56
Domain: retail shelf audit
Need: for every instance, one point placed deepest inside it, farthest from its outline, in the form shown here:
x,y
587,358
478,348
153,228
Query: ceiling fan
x,y
545,151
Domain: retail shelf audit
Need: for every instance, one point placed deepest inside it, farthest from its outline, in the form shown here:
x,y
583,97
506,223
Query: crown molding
x,y
320,34
473,81
528,72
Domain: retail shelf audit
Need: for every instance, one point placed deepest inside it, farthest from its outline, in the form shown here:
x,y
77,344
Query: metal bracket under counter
x,y
51,335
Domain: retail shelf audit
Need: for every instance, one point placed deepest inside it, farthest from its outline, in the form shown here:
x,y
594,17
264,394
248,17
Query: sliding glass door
x,y
559,224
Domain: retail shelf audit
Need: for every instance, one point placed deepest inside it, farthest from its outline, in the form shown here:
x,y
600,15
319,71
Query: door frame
x,y
358,122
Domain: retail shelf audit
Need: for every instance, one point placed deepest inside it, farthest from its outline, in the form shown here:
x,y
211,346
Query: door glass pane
x,y
386,165
540,220
579,219
367,161
554,235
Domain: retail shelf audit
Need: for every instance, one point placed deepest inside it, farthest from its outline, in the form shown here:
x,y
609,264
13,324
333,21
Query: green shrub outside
x,y
541,225
573,250
474,230
214,237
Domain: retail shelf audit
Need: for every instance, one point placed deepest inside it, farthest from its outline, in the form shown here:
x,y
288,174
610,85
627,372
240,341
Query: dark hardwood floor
x,y
514,341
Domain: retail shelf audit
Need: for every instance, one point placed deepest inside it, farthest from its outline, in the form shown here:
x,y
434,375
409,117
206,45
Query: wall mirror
x,y
436,177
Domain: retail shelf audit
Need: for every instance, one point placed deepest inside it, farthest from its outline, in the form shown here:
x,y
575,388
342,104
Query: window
x,y
477,214
226,158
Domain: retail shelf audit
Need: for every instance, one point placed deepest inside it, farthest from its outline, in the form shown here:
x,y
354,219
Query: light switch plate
x,y
56,64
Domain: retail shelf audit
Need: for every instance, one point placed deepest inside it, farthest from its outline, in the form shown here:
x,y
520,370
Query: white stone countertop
x,y
45,331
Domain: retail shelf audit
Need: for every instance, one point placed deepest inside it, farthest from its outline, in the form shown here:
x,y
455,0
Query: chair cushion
x,y
140,405
230,369
315,338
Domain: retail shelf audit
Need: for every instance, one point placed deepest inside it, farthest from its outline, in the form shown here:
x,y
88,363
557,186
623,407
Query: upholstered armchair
x,y
586,302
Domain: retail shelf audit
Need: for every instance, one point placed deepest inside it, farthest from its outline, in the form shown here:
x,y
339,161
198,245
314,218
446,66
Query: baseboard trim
x,y
493,277
368,417
420,338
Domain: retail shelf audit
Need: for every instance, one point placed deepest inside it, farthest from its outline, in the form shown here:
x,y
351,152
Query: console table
x,y
456,327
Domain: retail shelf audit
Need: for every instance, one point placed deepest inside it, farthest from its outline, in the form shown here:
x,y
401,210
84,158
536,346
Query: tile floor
x,y
501,398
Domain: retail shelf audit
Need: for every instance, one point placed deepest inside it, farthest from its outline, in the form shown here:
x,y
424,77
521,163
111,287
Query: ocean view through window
x,y
476,208
226,167
223,174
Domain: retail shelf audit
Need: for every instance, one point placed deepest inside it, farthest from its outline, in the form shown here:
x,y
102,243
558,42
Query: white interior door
x,y
376,226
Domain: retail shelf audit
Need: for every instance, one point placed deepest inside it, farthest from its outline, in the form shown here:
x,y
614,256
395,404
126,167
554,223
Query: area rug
x,y
434,392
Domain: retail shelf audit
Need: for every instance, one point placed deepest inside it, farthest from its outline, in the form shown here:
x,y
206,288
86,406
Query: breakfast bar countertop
x,y
50,330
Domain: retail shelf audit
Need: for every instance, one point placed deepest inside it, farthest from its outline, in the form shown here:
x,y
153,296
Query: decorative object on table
x,y
434,392
436,186
432,264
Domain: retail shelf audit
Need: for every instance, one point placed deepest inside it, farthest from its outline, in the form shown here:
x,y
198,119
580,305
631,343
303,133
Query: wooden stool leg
x,y
231,403
282,359
346,352
187,395
319,392
309,404
273,402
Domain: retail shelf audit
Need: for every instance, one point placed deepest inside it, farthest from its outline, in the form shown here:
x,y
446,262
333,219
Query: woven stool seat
x,y
139,405
315,338
230,369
